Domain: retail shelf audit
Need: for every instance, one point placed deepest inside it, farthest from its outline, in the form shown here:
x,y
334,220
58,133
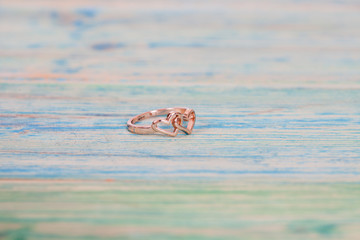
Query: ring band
x,y
175,117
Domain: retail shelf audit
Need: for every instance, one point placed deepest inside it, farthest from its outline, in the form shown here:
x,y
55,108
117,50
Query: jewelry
x,y
175,116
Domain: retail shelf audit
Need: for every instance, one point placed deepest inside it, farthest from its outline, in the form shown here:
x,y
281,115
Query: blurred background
x,y
289,43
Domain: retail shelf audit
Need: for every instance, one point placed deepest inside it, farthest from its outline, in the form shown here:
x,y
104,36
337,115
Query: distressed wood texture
x,y
275,152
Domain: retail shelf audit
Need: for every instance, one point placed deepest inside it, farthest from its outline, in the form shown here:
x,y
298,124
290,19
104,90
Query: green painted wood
x,y
275,150
250,208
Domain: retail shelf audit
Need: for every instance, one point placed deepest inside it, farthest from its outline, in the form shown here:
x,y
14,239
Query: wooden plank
x,y
248,209
79,131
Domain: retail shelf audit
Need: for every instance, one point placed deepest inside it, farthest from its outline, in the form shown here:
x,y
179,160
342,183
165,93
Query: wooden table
x,y
275,150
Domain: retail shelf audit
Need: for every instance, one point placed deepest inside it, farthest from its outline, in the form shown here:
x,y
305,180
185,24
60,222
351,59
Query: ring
x,y
175,117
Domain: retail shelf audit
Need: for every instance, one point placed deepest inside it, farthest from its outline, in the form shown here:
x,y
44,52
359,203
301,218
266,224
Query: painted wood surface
x,y
245,208
276,147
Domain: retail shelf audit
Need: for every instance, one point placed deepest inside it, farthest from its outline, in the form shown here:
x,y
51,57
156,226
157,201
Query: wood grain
x,y
275,150
178,209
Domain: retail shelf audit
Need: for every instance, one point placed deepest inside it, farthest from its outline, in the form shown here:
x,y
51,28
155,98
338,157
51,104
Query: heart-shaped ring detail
x,y
173,118
189,116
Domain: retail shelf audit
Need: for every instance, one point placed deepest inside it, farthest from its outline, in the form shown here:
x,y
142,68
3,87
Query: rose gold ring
x,y
175,117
